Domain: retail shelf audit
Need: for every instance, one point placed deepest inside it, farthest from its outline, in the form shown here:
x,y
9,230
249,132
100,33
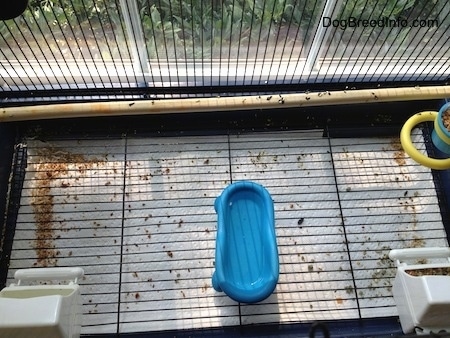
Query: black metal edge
x,y
8,157
443,193
25,96
441,178
370,327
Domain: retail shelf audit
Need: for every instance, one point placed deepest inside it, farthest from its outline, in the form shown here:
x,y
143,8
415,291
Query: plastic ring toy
x,y
440,133
408,147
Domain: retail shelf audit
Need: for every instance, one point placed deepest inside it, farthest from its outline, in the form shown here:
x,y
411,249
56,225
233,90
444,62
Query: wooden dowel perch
x,y
167,106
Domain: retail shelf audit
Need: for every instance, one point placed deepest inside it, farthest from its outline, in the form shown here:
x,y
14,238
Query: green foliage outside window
x,y
191,29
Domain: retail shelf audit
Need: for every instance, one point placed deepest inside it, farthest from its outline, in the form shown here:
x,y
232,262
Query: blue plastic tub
x,y
247,266
442,144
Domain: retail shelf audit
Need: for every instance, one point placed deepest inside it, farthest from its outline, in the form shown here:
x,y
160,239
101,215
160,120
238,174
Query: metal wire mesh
x,y
137,214
111,47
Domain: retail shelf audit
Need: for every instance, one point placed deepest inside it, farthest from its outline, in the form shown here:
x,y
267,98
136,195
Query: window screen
x,y
109,46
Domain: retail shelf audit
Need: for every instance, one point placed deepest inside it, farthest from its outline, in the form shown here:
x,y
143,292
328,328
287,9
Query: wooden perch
x,y
168,106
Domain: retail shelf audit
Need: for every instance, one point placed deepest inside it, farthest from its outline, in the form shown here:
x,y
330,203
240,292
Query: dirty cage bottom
x,y
137,215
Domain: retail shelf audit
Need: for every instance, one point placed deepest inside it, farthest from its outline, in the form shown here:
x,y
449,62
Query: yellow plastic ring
x,y
408,147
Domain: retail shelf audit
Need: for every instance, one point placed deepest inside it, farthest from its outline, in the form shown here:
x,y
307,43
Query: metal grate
x,y
100,50
137,214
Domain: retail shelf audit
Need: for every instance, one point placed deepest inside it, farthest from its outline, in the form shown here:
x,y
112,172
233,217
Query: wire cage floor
x,y
136,213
